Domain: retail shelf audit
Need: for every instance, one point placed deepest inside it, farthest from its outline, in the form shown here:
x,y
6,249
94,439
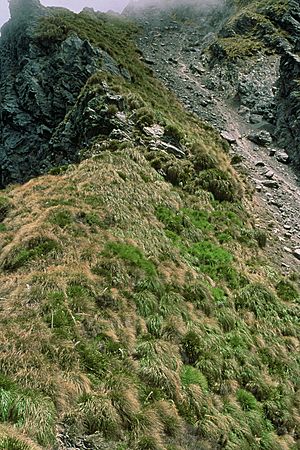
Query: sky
x,y
75,5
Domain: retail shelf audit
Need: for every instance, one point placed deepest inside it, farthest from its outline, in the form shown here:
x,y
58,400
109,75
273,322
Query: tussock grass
x,y
127,308
128,351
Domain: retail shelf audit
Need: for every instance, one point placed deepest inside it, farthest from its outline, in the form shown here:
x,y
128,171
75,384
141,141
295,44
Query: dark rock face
x,y
288,113
288,98
38,87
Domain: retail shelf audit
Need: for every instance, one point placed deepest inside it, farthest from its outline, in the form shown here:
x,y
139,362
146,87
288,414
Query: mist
x,y
76,6
140,4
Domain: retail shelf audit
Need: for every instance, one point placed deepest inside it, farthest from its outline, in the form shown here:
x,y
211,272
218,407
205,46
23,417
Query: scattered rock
x,y
260,164
255,118
228,137
197,69
271,184
287,249
262,137
283,157
155,131
272,152
149,61
269,174
296,253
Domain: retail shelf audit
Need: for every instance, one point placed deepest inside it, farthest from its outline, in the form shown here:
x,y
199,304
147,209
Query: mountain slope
x,y
138,308
250,98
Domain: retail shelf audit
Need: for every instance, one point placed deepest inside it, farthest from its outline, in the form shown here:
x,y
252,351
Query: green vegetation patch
x,y
216,262
61,218
4,207
11,443
246,399
190,375
287,291
132,255
258,299
25,408
37,248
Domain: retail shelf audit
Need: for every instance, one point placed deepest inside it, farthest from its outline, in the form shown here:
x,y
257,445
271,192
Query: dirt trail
x,y
175,55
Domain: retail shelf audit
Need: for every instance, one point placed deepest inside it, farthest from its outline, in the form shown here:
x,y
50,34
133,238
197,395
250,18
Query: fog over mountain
x,y
98,5
162,3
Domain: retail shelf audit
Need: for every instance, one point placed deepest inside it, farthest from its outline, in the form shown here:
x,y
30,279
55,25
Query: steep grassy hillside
x,y
137,307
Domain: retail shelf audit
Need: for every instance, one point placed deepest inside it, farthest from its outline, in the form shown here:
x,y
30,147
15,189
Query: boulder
x,y
269,174
228,137
296,253
156,131
283,157
262,137
271,184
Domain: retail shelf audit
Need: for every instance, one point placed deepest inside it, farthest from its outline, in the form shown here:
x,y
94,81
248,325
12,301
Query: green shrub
x,y
192,346
144,116
90,219
261,238
173,132
172,219
51,30
199,218
219,296
92,358
59,170
216,262
210,255
202,160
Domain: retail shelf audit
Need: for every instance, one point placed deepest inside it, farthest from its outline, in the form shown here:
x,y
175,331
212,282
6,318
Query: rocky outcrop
x,y
240,97
288,113
39,86
288,98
